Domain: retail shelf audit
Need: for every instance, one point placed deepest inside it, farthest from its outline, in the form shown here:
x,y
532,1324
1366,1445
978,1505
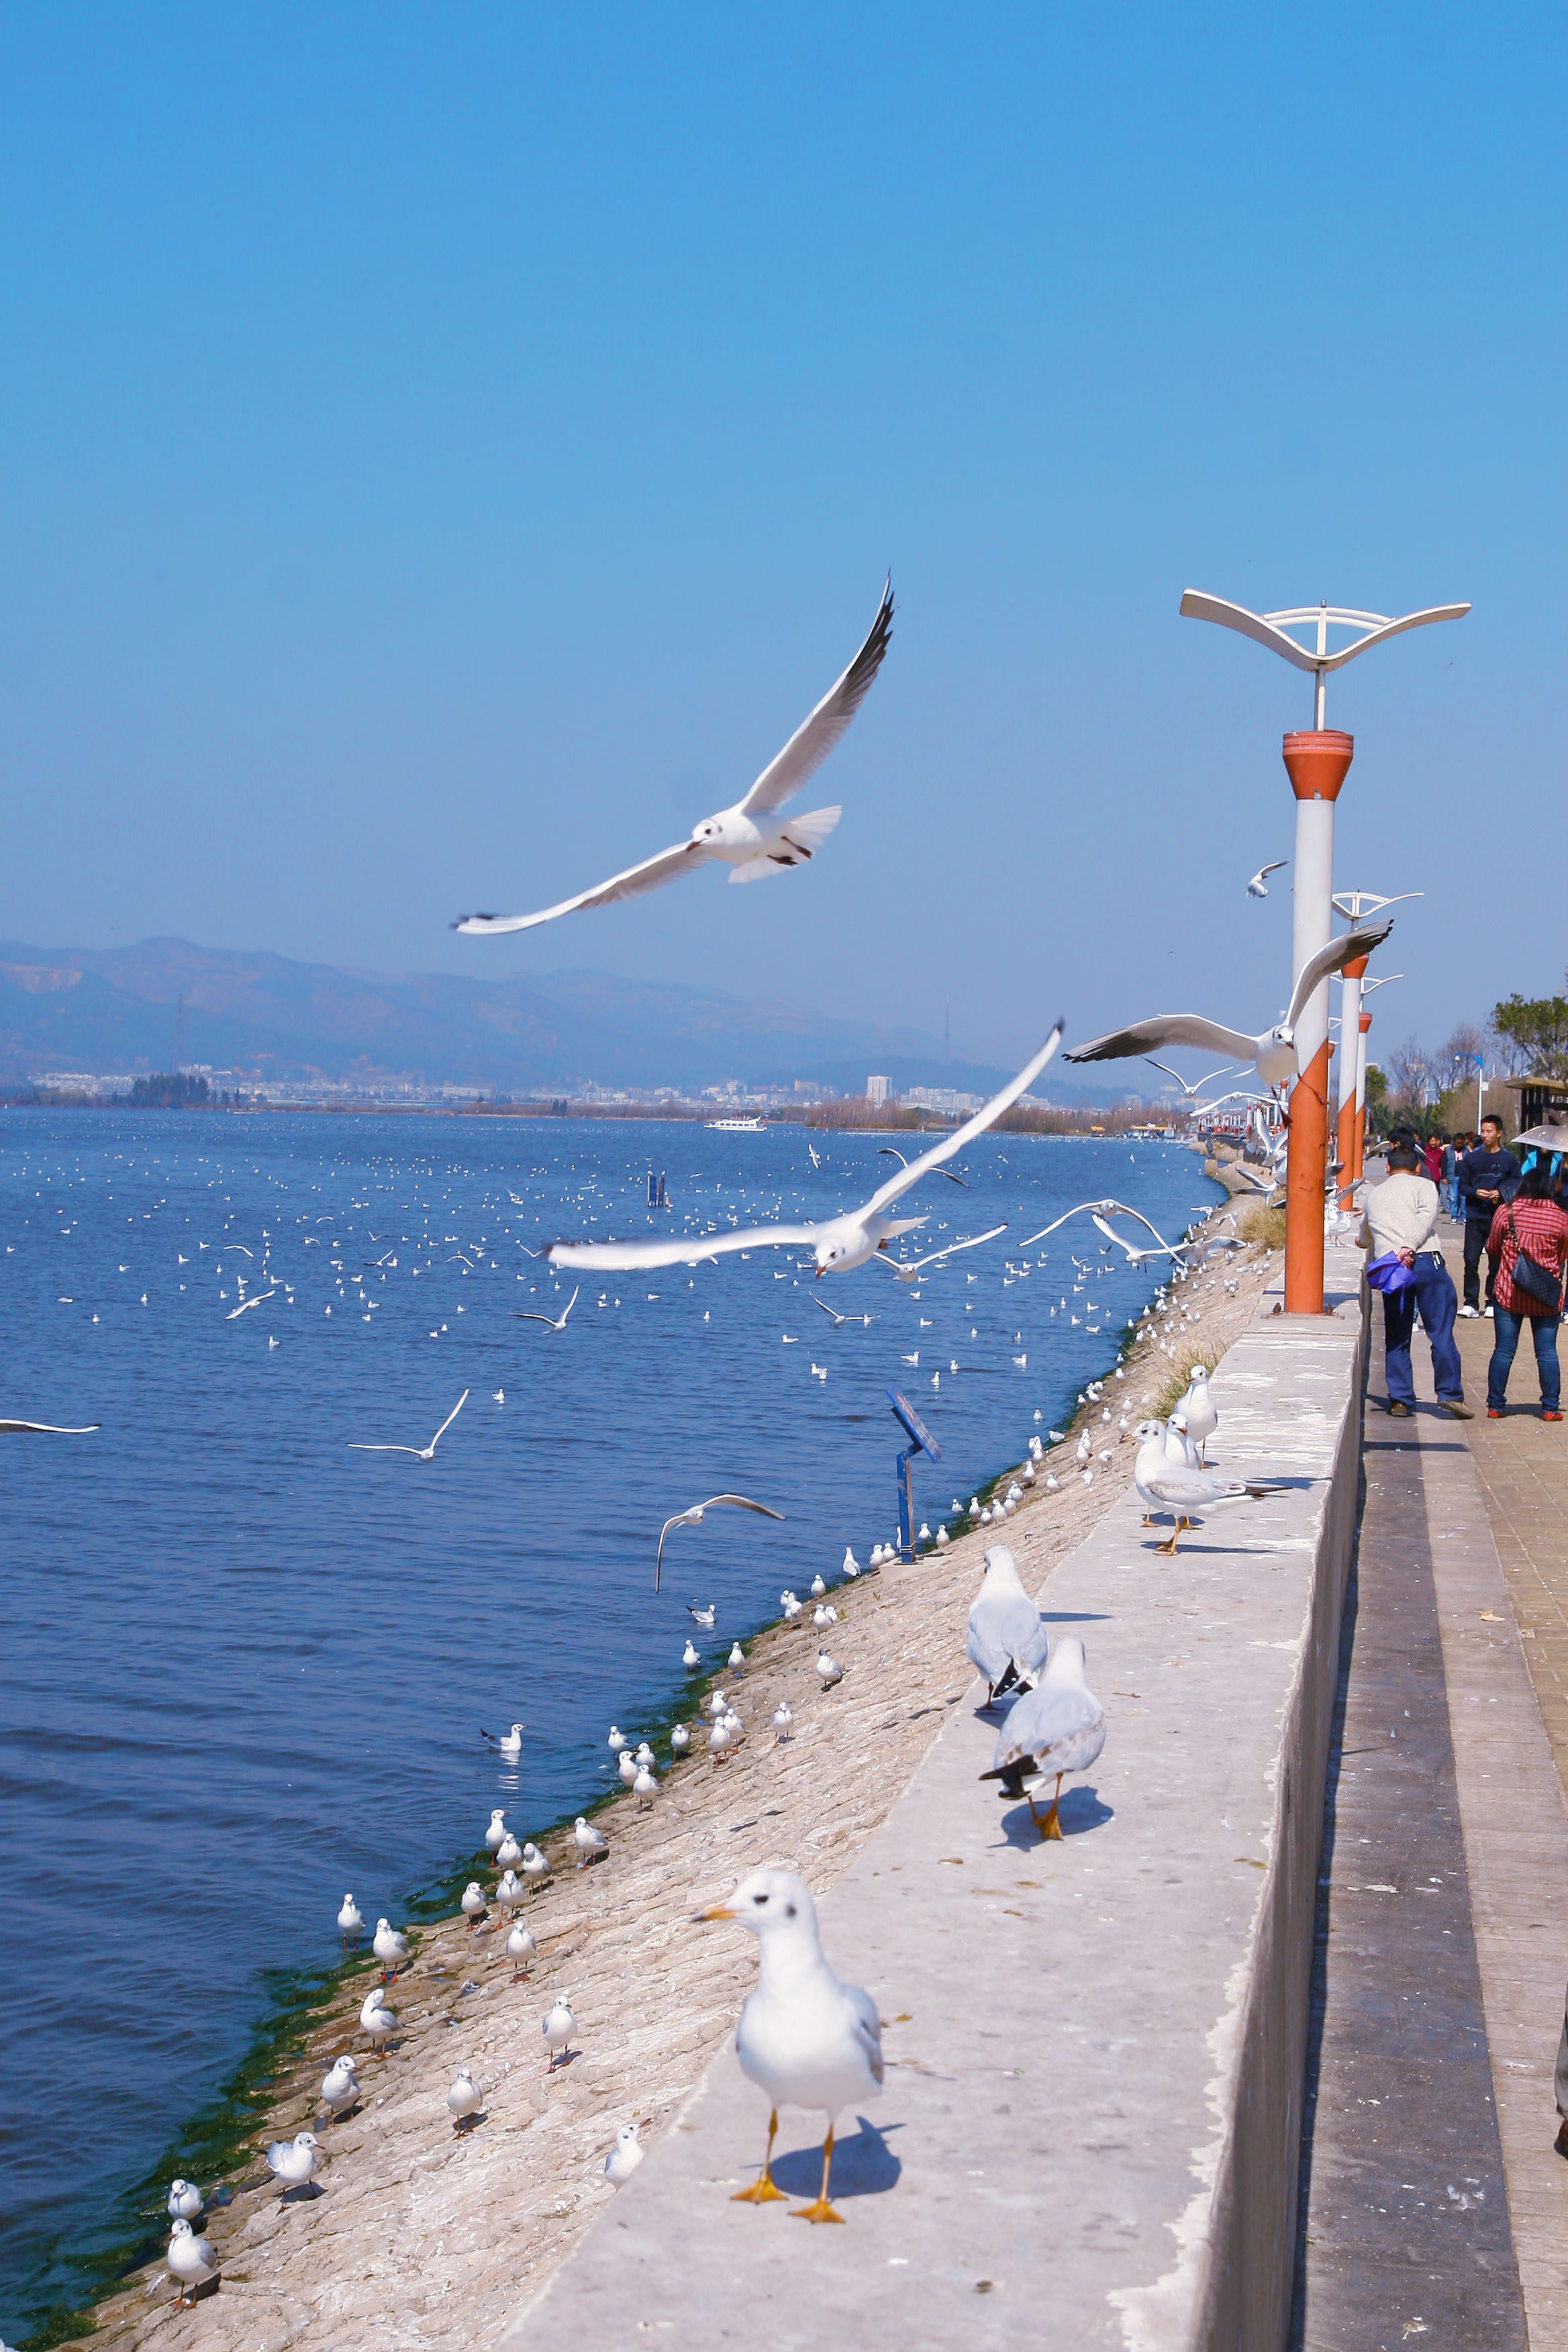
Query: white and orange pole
x,y
1317,761
1359,1162
1350,1066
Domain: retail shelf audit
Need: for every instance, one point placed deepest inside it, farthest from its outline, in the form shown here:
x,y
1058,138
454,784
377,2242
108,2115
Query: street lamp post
x,y
1354,905
1317,762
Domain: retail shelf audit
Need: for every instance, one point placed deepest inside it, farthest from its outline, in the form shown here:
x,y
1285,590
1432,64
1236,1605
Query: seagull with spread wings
x,y
1259,885
750,837
693,1518
420,1453
551,1322
1192,1091
45,1428
1273,1052
838,1244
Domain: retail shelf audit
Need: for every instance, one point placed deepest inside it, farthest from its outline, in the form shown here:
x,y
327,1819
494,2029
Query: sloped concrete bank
x,y
1089,2128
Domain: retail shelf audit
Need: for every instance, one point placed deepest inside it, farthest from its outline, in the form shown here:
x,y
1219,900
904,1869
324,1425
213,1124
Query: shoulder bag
x,y
1528,1275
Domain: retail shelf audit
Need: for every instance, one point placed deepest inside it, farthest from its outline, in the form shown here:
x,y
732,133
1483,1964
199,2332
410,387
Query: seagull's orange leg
x,y
762,2191
1051,1827
821,2210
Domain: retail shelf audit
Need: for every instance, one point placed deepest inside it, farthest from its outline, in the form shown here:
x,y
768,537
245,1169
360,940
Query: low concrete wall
x,y
1090,2130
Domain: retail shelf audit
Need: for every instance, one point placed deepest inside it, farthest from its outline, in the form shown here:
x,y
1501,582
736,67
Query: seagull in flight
x,y
1273,1052
749,838
909,1269
886,1151
1259,885
260,1300
693,1518
839,1244
551,1322
420,1453
839,1320
45,1428
1192,1092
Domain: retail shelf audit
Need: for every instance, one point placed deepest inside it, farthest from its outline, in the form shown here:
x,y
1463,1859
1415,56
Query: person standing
x,y
1488,1175
1533,1226
1451,1185
1432,1154
1401,1220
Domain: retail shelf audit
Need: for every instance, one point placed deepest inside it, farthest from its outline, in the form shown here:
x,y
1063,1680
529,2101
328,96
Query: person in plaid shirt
x,y
1533,1222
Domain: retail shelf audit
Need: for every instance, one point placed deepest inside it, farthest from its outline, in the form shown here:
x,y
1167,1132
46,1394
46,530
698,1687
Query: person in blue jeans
x,y
1402,1220
1535,1223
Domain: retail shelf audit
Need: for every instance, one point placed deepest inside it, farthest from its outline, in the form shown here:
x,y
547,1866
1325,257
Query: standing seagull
x,y
420,1453
551,1322
1007,1637
750,847
693,1518
190,2261
1259,885
1059,1727
805,2037
1273,1051
839,1244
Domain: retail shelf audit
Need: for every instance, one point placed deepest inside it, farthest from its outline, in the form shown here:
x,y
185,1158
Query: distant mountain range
x,y
115,1010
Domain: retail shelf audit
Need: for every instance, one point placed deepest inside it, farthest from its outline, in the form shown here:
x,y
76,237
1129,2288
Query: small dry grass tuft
x,y
1256,1223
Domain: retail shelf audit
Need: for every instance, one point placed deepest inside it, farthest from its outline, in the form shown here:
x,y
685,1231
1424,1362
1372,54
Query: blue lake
x,y
244,1668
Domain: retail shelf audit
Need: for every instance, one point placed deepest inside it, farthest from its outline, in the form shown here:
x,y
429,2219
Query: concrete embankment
x,y
1090,2130
1051,2011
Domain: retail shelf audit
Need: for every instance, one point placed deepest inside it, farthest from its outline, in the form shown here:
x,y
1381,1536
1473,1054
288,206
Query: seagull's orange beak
x,y
718,1911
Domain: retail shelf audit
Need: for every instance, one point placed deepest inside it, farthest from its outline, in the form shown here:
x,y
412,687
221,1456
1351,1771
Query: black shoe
x,y
1398,1411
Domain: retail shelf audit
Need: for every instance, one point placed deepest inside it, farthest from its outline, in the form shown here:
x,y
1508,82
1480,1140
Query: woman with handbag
x,y
1528,1246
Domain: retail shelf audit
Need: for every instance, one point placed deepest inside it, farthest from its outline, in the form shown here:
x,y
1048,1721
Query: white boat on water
x,y
755,1125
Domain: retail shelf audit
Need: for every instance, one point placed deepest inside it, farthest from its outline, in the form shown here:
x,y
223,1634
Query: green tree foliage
x,y
167,1090
1536,1028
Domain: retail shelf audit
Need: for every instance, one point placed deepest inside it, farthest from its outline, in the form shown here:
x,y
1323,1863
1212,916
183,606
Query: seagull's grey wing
x,y
1262,870
44,1429
570,1304
355,1448
651,875
451,1417
951,1145
1178,1488
906,1270
1166,1029
831,1312
1041,1719
743,1503
815,737
626,1257
1332,958
868,2027
527,1315
1037,1650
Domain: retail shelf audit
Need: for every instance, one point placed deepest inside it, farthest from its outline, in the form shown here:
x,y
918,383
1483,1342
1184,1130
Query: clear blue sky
x,y
444,451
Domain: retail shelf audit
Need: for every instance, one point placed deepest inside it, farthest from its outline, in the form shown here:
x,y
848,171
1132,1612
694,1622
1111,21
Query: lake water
x,y
244,1668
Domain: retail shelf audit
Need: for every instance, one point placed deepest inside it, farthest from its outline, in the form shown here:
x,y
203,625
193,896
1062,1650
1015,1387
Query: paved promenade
x,y
1443,1919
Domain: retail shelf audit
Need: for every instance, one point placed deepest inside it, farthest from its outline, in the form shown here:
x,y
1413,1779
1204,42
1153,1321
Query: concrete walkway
x,y
1462,1554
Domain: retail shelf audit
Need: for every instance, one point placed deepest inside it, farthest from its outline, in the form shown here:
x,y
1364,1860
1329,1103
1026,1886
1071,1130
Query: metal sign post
x,y
920,1441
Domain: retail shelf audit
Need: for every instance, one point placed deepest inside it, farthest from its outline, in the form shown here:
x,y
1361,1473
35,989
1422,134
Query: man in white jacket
x,y
1402,1220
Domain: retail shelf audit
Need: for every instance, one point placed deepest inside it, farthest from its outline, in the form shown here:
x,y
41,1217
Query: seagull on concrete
x,y
293,2161
1197,1411
805,2038
190,2261
839,1244
693,1518
623,2157
1181,1488
1273,1051
340,2087
1007,1638
741,836
1059,1727
420,1453
185,2201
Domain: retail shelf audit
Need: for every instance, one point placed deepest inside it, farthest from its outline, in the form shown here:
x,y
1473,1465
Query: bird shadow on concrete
x,y
303,2193
864,2166
1081,1810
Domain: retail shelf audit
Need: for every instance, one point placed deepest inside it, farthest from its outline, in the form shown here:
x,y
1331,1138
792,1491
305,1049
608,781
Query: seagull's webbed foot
x,y
1051,1826
762,2192
820,2209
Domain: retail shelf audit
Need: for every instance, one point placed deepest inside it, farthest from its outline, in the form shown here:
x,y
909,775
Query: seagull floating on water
x,y
750,847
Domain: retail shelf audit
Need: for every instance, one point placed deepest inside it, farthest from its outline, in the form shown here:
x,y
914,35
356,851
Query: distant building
x,y
877,1090
942,1099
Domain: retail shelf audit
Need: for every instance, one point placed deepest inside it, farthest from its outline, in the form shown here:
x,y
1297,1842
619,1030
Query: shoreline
x,y
655,2000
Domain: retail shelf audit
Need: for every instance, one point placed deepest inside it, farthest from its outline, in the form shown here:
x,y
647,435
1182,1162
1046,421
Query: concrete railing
x,y
1090,2130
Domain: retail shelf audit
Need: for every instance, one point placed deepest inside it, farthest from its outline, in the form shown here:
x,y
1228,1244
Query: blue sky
x,y
445,453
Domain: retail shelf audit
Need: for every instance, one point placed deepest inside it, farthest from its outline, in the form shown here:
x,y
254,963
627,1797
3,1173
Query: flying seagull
x,y
838,1244
45,1428
908,1269
750,847
1259,885
260,1300
420,1453
551,1322
693,1518
1273,1052
839,1320
1192,1091
886,1151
